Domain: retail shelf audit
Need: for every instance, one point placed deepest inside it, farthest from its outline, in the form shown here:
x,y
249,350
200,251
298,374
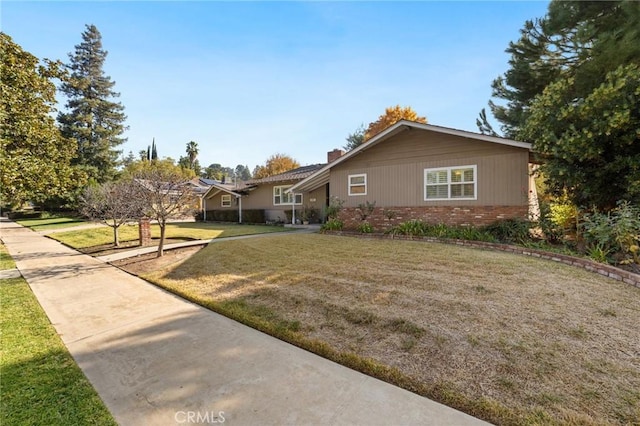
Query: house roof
x,y
295,174
321,176
229,188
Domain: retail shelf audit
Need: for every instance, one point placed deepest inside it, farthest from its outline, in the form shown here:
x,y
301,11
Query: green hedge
x,y
24,215
253,216
248,216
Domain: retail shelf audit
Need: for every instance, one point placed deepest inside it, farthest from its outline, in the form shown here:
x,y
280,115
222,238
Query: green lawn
x,y
6,262
182,230
51,222
41,383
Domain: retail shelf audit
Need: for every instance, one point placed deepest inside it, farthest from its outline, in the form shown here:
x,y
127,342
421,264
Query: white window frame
x,y
290,198
225,200
351,185
449,183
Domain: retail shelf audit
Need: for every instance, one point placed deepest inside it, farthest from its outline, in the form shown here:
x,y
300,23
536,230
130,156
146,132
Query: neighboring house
x,y
268,195
200,186
437,174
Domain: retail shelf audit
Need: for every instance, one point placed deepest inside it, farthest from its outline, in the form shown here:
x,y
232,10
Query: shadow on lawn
x,y
49,388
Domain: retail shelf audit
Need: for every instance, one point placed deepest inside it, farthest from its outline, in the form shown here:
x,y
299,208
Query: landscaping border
x,y
609,271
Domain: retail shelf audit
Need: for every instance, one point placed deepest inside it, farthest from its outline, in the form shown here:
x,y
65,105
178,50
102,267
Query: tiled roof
x,y
295,174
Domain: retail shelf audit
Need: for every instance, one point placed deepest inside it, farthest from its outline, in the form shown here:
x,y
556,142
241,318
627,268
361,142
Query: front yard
x,y
100,239
511,339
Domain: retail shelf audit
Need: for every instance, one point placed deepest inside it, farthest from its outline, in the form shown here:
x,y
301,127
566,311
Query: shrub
x,y
333,225
366,209
24,215
222,215
551,231
253,216
412,227
617,232
417,227
564,215
365,228
510,230
334,207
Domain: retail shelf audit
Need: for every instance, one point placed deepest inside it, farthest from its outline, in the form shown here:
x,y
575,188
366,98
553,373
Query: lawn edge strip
x,y
50,387
483,408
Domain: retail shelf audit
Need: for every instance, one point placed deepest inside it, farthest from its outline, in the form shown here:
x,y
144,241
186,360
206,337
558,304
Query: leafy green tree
x,y
590,146
129,159
355,139
217,171
165,163
92,118
242,172
35,159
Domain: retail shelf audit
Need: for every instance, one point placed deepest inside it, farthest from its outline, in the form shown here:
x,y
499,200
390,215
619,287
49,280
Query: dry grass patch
x,y
508,338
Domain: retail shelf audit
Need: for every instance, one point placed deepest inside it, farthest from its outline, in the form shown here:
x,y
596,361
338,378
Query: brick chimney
x,y
334,155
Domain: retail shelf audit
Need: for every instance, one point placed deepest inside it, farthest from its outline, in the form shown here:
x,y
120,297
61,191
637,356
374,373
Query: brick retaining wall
x,y
589,265
383,219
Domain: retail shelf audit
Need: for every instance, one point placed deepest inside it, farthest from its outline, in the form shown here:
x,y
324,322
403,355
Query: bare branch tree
x,y
165,194
113,203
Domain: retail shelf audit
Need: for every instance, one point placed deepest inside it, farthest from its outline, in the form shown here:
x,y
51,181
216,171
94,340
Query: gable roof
x,y
321,176
228,188
295,174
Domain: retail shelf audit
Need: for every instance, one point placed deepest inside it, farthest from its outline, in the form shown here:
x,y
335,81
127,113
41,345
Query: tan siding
x,y
262,198
395,170
215,202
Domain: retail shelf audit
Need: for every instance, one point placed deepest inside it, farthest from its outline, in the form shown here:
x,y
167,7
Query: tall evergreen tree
x,y
355,139
154,150
583,41
572,90
92,117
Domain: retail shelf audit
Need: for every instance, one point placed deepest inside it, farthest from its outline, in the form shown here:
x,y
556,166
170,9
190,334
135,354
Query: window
x,y
281,197
450,183
358,184
226,200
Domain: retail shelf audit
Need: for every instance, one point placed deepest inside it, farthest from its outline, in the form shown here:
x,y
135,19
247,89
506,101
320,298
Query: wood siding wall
x,y
395,170
262,199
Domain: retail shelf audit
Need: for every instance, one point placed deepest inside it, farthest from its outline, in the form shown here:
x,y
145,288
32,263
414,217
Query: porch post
x,y
239,209
204,209
293,211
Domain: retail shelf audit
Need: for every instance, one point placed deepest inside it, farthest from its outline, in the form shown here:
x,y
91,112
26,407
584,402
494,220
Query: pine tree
x,y
92,118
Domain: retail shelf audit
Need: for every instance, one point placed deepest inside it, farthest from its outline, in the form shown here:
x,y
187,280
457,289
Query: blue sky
x,y
246,80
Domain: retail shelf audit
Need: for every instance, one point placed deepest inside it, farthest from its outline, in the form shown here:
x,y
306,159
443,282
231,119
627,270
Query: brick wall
x,y
144,231
385,218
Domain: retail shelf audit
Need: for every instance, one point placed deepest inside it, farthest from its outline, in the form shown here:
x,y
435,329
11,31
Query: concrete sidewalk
x,y
157,359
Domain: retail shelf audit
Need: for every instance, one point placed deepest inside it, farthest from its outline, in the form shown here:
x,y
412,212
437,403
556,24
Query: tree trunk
x,y
116,240
162,225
